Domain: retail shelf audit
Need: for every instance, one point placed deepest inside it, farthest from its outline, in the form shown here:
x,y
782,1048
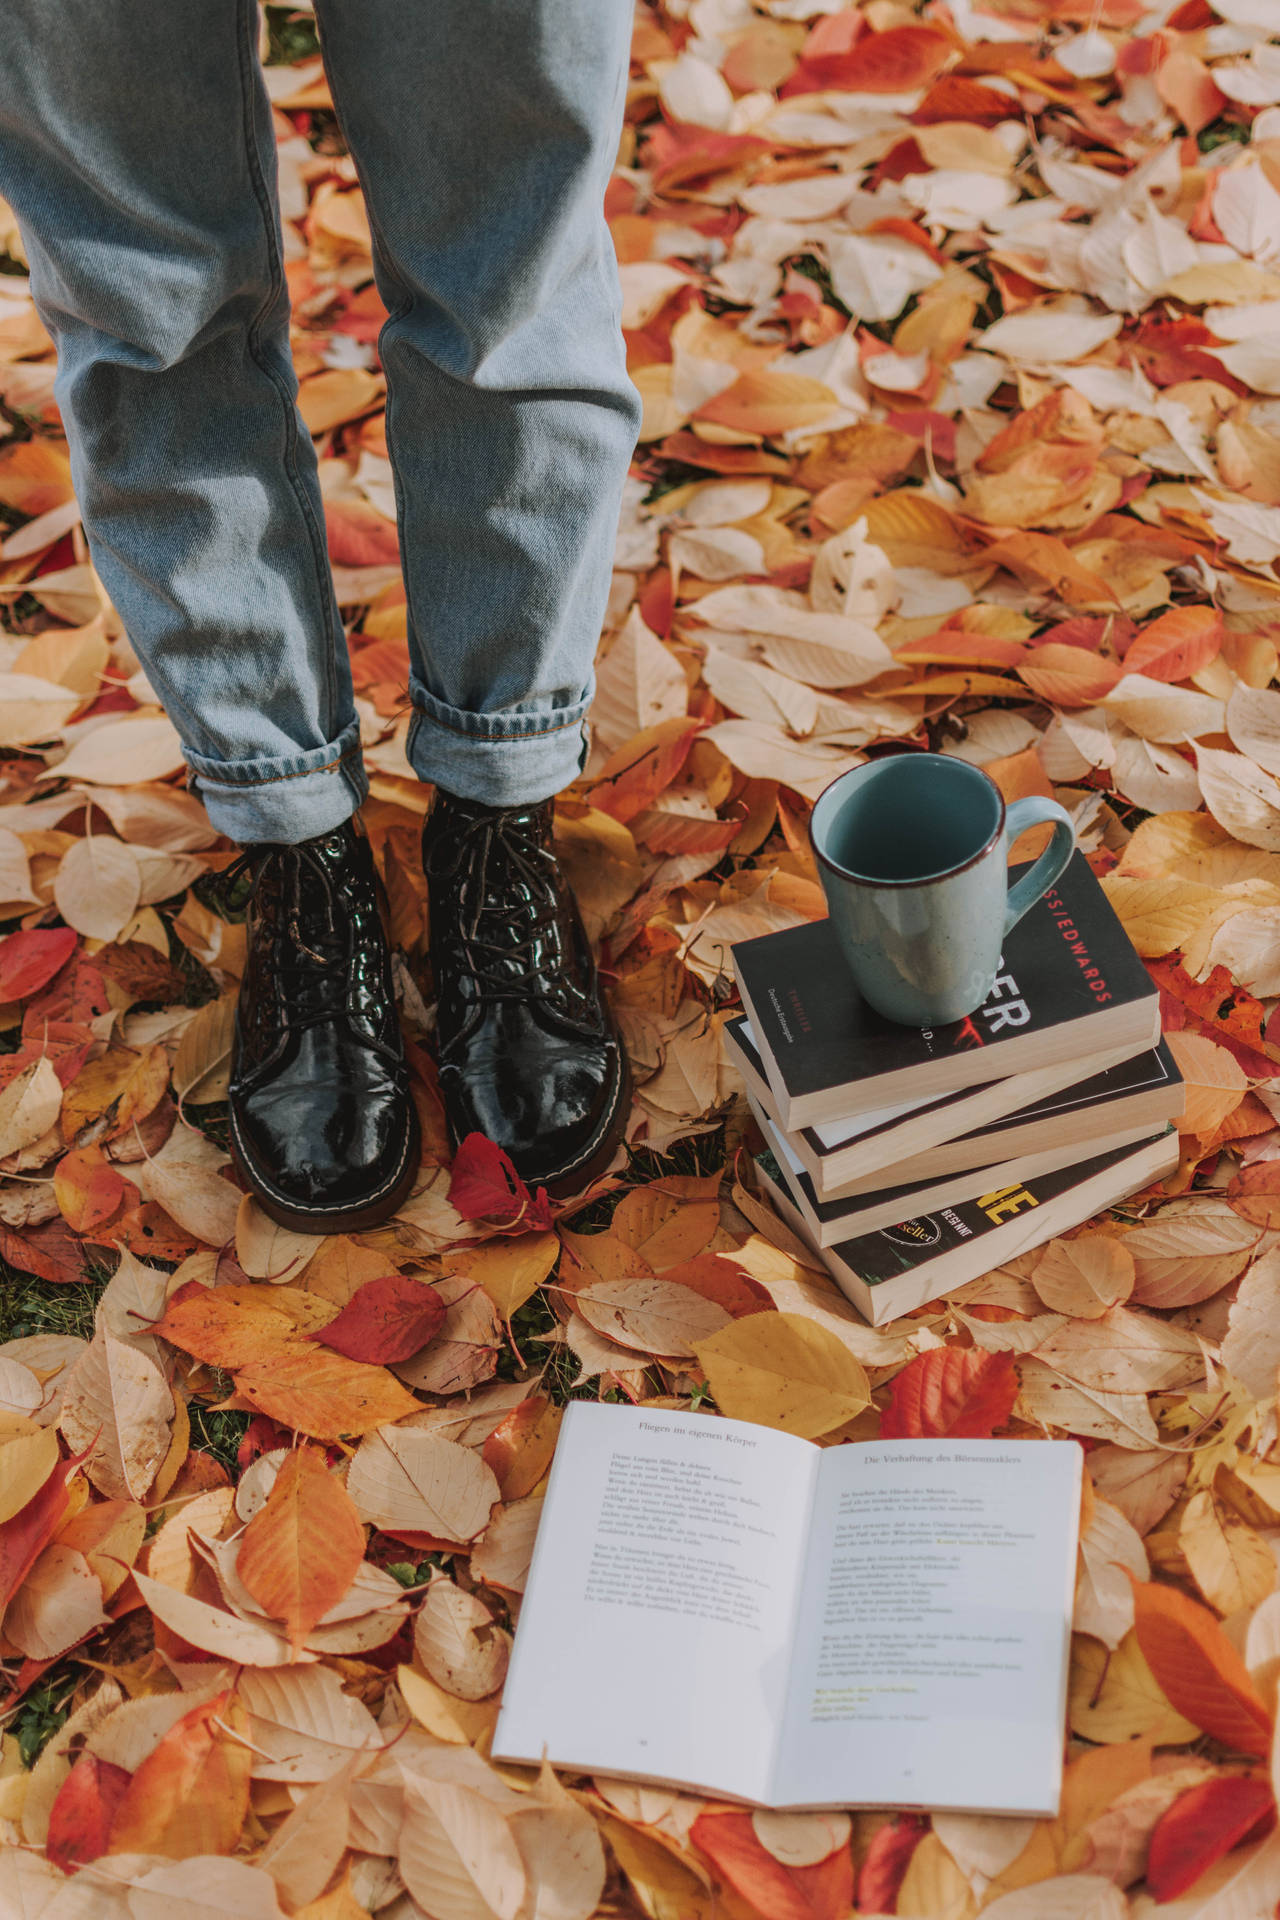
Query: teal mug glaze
x,y
912,852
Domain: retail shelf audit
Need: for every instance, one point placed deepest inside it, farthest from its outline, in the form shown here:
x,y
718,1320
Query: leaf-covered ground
x,y
958,330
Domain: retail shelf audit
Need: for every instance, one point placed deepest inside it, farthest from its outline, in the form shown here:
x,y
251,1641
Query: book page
x,y
655,1633
934,1625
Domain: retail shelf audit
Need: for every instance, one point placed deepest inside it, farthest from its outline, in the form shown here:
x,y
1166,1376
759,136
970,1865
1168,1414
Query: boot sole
x,y
563,1185
323,1220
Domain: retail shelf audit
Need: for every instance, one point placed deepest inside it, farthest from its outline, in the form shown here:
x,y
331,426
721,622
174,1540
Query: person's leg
x,y
137,150
485,133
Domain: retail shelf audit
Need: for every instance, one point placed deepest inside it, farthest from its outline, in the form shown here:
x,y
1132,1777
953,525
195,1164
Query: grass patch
x,y
218,1431
291,35
46,1708
29,1305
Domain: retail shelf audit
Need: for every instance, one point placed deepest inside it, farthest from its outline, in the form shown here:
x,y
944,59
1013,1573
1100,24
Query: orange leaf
x,y
191,1794
960,1391
770,403
632,778
224,1326
88,1189
1202,1825
948,648
1067,676
1178,644
518,1451
1201,1674
323,1394
301,1551
823,1891
1038,557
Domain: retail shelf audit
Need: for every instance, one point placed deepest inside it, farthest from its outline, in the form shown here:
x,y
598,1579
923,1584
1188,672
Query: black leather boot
x,y
322,1126
529,1054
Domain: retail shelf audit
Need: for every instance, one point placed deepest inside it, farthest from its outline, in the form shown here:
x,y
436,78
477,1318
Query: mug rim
x,y
921,880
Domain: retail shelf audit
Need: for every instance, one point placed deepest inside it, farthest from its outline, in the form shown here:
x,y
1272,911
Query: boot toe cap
x,y
318,1149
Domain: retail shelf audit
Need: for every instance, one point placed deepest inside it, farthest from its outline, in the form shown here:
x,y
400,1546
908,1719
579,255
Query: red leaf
x,y
1202,1825
959,1391
821,1892
888,1857
484,1185
384,1320
29,959
81,1815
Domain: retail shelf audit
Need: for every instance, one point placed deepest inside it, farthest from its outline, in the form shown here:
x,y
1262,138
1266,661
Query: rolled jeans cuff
x,y
512,758
284,800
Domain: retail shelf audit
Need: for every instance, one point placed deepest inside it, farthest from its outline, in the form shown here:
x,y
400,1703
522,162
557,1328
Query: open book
x,y
725,1607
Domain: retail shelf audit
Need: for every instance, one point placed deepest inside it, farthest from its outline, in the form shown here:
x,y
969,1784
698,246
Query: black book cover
x,y
876,1257
1067,958
1154,1068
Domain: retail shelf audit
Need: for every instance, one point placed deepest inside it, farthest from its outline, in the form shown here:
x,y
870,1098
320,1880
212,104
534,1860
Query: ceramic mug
x,y
912,854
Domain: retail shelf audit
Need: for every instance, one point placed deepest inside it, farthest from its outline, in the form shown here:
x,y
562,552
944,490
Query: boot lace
x,y
512,942
312,971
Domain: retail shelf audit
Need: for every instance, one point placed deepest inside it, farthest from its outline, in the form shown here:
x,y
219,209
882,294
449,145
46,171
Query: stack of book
x,y
913,1160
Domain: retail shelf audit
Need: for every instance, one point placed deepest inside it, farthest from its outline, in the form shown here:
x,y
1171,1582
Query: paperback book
x,y
1138,1094
788,1625
829,1223
1070,987
889,1272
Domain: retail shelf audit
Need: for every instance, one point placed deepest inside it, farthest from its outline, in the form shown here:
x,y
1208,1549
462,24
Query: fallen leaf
x,y
1200,1671
783,1371
456,1639
963,1394
408,1481
301,1551
1201,1826
192,1794
388,1319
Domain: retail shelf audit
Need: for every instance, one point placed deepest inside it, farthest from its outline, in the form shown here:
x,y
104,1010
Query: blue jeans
x,y
136,149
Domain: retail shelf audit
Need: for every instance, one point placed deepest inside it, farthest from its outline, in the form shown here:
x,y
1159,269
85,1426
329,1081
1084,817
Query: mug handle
x,y
1034,812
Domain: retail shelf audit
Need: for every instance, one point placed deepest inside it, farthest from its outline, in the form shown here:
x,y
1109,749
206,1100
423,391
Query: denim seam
x,y
274,779
319,546
483,739
383,257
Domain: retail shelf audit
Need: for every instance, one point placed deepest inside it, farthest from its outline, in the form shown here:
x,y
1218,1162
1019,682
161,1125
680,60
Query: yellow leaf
x,y
460,1723
782,1370
511,1271
1115,1696
1232,1565
25,1464
1162,913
